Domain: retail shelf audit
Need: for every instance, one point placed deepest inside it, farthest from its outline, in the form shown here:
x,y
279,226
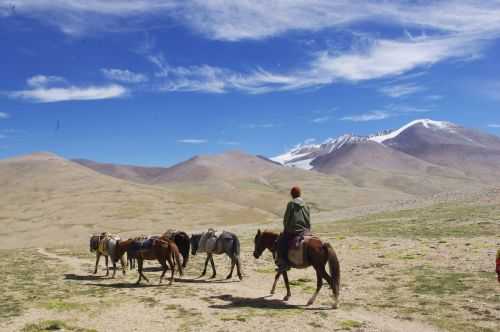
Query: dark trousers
x,y
283,241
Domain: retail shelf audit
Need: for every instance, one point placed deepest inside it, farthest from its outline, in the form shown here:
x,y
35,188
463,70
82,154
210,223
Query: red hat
x,y
295,192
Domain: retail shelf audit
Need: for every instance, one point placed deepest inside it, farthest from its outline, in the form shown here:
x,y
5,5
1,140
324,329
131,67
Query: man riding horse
x,y
296,223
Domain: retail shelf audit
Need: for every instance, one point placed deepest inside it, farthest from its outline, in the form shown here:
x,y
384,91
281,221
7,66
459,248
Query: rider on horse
x,y
296,222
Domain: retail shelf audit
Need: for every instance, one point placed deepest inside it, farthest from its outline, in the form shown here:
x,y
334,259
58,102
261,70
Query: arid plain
x,y
409,262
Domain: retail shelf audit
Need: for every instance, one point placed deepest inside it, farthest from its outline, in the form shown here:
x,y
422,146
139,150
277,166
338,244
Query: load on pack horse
x,y
296,247
104,244
215,243
154,248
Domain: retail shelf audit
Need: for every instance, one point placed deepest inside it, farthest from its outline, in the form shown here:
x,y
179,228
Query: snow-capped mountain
x,y
416,147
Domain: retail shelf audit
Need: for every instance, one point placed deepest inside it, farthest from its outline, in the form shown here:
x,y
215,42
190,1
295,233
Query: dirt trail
x,y
216,304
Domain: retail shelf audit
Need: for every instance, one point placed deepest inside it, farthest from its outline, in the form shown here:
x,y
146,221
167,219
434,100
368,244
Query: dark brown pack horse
x,y
318,254
164,251
180,238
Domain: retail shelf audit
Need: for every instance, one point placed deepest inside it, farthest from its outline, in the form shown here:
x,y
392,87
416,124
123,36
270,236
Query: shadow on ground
x,y
257,303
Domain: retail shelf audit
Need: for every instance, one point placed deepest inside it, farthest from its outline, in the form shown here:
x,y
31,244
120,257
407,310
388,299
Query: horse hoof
x,y
309,303
240,277
286,298
228,277
212,277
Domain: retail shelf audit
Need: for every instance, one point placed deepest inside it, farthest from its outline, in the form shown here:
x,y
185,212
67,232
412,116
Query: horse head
x,y
195,242
258,245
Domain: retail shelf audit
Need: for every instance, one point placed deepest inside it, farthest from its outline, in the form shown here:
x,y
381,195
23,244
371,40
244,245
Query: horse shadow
x,y
257,303
244,302
88,277
198,280
131,285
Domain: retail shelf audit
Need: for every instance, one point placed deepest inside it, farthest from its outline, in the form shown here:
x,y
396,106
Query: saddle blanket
x,y
140,245
297,253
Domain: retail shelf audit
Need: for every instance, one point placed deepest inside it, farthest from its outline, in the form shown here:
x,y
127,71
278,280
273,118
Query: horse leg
x,y
97,258
238,268
233,263
114,267
319,284
213,266
287,285
276,278
139,269
141,261
107,266
164,266
206,264
172,268
330,282
124,265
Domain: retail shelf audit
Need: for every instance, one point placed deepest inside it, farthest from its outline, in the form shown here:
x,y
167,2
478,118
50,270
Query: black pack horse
x,y
214,243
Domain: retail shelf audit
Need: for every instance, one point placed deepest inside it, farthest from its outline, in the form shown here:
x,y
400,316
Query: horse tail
x,y
334,266
184,247
236,246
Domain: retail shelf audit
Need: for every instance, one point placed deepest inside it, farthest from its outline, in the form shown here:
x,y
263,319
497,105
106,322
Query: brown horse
x,y
160,249
317,253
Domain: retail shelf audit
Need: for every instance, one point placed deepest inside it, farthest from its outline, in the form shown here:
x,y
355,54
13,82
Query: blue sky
x,y
154,82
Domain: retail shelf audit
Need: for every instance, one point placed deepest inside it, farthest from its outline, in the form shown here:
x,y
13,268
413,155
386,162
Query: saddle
x,y
142,245
212,242
297,253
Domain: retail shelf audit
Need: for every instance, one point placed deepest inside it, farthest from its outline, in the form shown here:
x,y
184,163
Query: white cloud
x,y
4,115
389,111
321,119
260,125
231,143
236,20
123,75
457,30
192,141
377,59
42,80
494,125
370,116
309,141
401,90
49,95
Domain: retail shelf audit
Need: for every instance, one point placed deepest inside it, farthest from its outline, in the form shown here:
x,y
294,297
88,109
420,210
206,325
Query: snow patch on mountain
x,y
427,123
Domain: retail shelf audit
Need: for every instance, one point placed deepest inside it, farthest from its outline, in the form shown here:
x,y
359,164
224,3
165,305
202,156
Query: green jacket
x,y
297,218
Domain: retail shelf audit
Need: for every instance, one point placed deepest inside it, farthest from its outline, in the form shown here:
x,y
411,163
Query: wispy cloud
x,y
237,20
4,115
50,89
321,119
192,141
458,30
388,111
494,125
401,90
51,95
123,75
370,116
42,80
260,125
231,143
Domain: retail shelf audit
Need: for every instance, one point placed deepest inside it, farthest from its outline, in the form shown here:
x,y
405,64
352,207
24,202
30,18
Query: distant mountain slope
x,y
475,153
47,197
126,172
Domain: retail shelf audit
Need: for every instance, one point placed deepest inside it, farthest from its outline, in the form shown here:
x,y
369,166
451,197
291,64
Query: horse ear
x,y
258,231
